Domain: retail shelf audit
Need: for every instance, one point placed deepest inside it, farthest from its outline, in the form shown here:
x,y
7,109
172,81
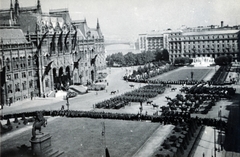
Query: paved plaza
x,y
86,102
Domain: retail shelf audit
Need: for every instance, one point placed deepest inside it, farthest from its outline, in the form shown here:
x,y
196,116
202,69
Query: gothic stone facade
x,y
68,52
17,56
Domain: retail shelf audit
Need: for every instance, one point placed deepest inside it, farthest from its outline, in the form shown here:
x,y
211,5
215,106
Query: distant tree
x,y
150,56
223,60
140,70
139,59
130,59
190,60
109,61
118,58
182,61
134,73
158,55
165,55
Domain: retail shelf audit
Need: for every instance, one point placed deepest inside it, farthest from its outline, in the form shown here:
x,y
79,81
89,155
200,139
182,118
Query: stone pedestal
x,y
41,144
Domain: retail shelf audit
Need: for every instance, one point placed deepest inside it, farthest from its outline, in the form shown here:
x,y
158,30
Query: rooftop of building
x,y
31,8
12,36
206,32
61,10
199,30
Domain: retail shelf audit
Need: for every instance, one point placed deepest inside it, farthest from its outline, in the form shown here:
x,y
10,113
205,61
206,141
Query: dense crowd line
x,y
198,98
141,94
167,117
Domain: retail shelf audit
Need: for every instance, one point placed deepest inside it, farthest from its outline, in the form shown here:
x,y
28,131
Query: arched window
x,y
47,82
17,87
14,62
31,84
9,88
24,85
75,76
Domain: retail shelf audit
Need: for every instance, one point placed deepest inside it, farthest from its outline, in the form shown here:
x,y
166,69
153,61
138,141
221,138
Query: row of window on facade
x,y
206,37
157,39
200,55
17,65
12,45
20,62
22,58
205,46
207,42
24,86
16,75
18,88
203,50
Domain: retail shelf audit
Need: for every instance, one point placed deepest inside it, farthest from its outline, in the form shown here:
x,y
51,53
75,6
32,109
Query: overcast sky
x,y
125,19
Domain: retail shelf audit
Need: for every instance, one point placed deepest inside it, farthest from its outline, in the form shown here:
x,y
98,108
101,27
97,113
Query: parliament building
x,y
45,52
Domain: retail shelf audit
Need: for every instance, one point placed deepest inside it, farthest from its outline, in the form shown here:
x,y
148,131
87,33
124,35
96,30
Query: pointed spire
x,y
16,7
37,29
39,6
98,26
28,34
11,5
16,3
11,11
38,3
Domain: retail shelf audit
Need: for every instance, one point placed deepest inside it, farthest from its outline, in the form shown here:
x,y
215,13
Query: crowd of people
x,y
168,117
141,94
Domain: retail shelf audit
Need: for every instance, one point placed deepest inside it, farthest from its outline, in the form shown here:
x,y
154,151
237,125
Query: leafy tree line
x,y
183,61
223,60
131,59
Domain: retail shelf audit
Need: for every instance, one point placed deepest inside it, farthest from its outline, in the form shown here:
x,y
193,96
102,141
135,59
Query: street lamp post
x,y
220,116
67,102
67,97
214,141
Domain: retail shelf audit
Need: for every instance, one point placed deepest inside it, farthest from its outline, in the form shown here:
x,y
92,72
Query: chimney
x,y
221,23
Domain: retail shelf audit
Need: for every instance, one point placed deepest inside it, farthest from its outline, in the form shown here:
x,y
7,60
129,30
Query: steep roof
x,y
80,34
94,33
12,36
27,9
81,25
28,22
4,17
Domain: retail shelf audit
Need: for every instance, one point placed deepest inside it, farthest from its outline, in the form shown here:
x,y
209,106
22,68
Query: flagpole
x,y
104,139
39,65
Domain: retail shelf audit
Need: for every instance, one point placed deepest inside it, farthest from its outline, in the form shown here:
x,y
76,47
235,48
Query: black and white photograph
x,y
120,78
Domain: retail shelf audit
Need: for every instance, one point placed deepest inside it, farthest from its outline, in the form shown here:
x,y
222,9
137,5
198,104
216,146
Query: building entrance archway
x,y
68,75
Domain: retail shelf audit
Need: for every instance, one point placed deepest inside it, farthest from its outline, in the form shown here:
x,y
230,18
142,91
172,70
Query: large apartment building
x,y
211,41
65,51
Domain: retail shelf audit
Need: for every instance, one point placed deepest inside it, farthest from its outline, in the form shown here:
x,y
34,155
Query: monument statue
x,y
39,122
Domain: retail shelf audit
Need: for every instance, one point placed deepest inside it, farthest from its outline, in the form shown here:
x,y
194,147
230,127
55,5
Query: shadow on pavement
x,y
23,150
232,139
